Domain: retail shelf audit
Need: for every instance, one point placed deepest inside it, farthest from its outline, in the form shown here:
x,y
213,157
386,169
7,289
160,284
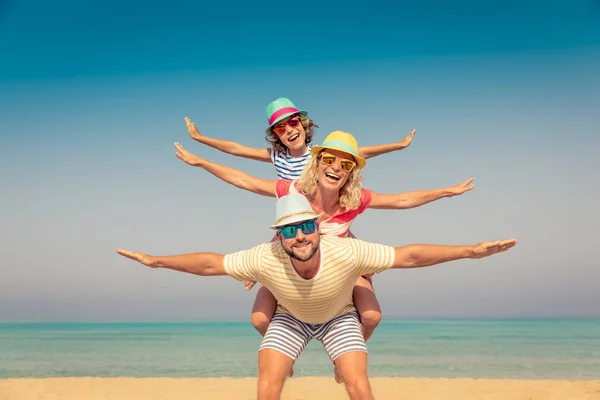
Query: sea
x,y
481,348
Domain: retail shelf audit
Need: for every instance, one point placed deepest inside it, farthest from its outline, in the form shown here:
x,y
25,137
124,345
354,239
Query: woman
x,y
332,182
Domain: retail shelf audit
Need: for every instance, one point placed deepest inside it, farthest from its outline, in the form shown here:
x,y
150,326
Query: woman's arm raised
x,y
230,175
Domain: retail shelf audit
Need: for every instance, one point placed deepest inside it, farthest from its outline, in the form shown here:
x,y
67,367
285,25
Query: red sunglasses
x,y
292,123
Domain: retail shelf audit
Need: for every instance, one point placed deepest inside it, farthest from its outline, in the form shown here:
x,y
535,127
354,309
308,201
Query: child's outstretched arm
x,y
417,198
378,149
226,146
230,175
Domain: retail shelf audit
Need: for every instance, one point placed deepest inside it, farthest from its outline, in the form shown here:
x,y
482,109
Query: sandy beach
x,y
304,388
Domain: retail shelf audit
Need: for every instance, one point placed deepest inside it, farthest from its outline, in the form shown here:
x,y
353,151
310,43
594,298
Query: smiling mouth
x,y
293,137
332,177
301,245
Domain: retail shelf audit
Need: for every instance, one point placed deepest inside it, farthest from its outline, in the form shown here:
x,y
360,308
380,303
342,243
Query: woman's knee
x,y
260,321
370,318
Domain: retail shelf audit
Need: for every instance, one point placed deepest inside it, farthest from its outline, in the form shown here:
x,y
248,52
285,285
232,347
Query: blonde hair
x,y
350,193
308,125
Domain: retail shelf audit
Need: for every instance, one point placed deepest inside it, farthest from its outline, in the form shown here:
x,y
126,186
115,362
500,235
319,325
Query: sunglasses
x,y
345,165
290,231
292,123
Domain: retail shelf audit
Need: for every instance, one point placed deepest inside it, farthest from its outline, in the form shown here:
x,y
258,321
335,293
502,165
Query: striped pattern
x,y
290,336
329,293
338,224
288,167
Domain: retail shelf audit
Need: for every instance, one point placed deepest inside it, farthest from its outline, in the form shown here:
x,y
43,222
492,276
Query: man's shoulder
x,y
329,241
259,250
271,253
352,244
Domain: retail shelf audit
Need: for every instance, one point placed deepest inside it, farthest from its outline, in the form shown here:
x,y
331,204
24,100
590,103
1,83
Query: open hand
x,y
407,140
487,249
186,156
462,187
137,256
192,130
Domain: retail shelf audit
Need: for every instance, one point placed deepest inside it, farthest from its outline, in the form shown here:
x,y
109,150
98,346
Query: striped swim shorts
x,y
290,336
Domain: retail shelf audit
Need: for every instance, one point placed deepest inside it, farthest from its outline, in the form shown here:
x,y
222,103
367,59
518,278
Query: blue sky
x,y
92,96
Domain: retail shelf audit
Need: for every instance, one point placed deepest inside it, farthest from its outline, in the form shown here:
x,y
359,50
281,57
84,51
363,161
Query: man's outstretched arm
x,y
424,255
206,264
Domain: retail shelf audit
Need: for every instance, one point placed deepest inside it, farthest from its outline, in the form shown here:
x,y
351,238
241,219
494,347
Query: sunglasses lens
x,y
346,165
328,160
309,227
280,129
289,232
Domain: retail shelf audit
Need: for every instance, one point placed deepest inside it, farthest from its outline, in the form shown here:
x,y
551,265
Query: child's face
x,y
291,132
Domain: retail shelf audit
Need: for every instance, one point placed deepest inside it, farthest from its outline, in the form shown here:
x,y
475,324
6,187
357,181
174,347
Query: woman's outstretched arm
x,y
417,198
230,175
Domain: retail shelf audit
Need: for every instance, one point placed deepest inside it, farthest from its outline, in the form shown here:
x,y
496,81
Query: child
x,y
290,133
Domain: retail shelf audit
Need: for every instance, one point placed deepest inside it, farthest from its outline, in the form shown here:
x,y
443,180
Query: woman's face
x,y
291,132
334,168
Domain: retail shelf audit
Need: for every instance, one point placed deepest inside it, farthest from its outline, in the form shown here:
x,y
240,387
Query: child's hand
x,y
406,141
187,157
193,131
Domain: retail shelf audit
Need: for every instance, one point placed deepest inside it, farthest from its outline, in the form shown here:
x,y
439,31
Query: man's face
x,y
300,241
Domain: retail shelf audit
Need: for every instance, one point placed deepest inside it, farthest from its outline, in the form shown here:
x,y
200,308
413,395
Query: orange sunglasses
x,y
345,165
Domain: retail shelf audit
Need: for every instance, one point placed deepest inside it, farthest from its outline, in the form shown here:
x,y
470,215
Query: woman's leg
x,y
367,305
263,310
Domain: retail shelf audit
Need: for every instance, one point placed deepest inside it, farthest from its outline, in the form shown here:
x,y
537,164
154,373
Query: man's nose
x,y
300,235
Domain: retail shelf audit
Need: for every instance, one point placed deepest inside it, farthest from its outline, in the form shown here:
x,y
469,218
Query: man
x,y
312,279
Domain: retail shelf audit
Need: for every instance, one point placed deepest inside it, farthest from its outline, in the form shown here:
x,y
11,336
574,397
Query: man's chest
x,y
329,282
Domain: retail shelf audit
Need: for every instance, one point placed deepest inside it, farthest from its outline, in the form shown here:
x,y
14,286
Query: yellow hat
x,y
341,141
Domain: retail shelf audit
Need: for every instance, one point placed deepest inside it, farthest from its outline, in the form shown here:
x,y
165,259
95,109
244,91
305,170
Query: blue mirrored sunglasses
x,y
290,231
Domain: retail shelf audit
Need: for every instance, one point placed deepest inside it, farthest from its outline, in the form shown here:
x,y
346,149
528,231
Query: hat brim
x,y
284,116
294,220
361,162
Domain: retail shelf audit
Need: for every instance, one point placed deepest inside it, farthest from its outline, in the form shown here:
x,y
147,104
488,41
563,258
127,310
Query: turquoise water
x,y
520,349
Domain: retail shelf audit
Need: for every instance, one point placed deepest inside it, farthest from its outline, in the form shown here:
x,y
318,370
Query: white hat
x,y
293,208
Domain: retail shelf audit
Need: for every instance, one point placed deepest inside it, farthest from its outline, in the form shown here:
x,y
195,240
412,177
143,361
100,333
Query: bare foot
x,y
338,377
249,284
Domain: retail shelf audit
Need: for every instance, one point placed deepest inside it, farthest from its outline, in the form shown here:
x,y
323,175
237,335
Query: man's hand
x,y
186,156
486,249
139,257
192,130
404,143
462,187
